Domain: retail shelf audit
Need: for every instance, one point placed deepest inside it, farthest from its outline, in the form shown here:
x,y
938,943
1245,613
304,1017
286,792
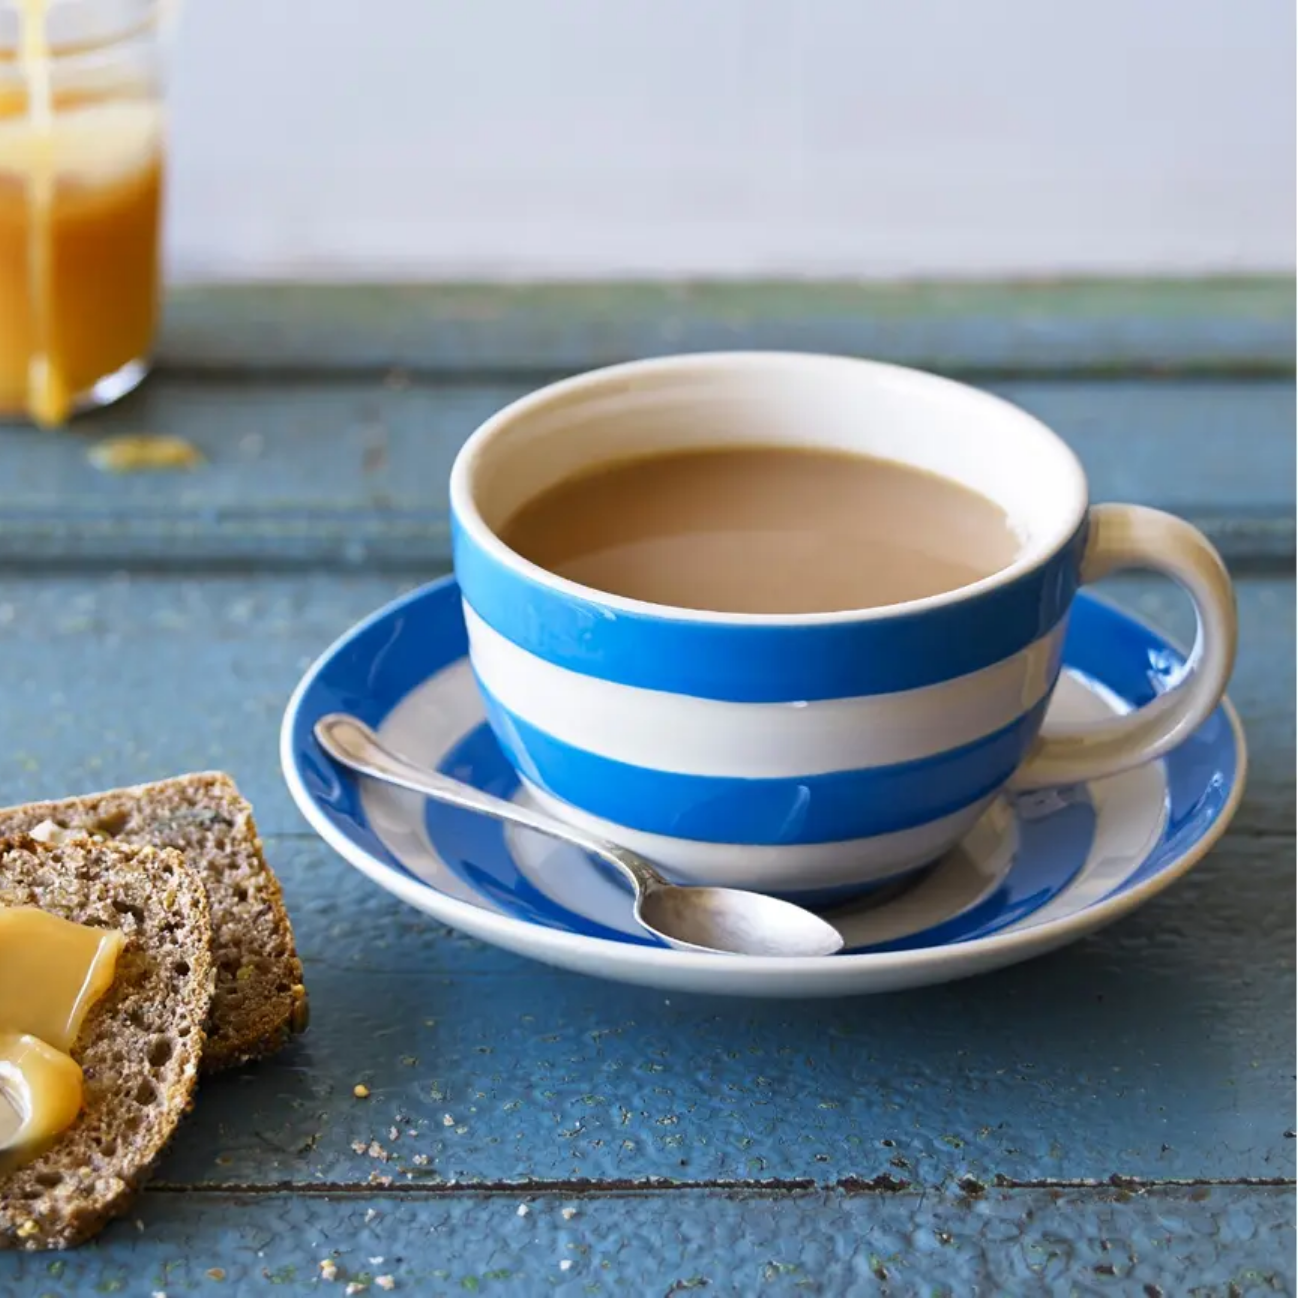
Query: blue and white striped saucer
x,y
1036,872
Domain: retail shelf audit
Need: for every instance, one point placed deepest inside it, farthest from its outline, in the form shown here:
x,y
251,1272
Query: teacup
x,y
810,753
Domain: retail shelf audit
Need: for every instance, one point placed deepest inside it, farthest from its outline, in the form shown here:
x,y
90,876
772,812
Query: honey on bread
x,y
52,972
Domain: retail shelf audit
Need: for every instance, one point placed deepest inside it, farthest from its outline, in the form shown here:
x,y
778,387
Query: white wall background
x,y
555,138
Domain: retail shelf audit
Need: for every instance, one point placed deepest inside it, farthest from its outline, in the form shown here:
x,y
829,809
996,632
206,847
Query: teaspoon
x,y
714,920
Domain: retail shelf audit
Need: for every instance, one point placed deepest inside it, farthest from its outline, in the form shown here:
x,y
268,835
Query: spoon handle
x,y
350,741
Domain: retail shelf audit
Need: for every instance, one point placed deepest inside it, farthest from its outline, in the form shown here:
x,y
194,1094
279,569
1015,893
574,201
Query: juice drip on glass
x,y
48,399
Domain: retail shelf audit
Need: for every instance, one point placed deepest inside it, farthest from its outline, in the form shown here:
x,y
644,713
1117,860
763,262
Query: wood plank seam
x,y
884,1184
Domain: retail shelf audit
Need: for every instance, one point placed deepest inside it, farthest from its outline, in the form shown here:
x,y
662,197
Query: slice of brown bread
x,y
259,998
140,1046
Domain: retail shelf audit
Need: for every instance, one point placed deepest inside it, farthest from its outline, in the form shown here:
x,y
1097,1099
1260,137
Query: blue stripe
x,y
809,809
766,663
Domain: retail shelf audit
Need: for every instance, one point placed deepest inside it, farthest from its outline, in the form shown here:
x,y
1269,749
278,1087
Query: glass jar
x,y
81,164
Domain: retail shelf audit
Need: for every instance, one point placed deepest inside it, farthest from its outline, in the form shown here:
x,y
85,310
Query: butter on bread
x,y
141,1043
260,999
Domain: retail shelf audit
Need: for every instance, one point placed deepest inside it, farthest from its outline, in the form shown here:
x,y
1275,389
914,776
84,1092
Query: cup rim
x,y
465,513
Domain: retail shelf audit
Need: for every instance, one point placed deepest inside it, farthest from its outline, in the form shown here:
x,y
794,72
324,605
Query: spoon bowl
x,y
731,920
719,921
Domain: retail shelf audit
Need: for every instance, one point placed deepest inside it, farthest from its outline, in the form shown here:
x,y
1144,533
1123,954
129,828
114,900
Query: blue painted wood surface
x,y
1115,1118
350,472
1182,1240
1050,1071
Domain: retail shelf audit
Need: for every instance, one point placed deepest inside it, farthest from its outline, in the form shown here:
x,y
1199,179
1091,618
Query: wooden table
x,y
1116,1118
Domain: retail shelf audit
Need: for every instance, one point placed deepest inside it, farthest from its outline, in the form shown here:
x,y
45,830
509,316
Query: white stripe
x,y
672,732
777,868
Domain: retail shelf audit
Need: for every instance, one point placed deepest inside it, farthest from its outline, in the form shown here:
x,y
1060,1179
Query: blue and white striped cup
x,y
806,753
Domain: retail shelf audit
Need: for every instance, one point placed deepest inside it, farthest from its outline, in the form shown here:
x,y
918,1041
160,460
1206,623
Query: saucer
x,y
1038,870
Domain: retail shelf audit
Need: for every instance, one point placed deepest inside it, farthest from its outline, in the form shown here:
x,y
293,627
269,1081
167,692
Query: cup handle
x,y
1131,536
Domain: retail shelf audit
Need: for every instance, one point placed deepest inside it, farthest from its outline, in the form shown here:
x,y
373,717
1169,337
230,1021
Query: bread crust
x,y
260,998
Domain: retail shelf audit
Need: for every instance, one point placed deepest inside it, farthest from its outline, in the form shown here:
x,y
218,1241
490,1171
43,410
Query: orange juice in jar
x,y
81,161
